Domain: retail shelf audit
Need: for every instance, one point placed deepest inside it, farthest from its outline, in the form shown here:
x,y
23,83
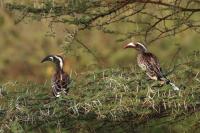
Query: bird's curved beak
x,y
48,58
130,45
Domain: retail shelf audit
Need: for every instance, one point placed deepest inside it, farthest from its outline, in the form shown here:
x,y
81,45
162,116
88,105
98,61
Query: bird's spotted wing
x,y
152,65
60,82
65,82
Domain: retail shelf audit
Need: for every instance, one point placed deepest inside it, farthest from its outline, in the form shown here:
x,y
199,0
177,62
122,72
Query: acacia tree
x,y
148,20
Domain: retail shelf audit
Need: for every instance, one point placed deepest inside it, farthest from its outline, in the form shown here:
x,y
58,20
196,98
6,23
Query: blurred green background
x,y
22,47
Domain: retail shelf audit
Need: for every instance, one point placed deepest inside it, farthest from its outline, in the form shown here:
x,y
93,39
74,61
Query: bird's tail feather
x,y
174,86
167,81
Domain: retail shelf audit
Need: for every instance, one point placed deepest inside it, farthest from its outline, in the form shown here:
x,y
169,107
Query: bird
x,y
149,63
60,80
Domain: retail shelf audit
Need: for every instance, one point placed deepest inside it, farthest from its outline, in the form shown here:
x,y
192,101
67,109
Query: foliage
x,y
115,100
147,20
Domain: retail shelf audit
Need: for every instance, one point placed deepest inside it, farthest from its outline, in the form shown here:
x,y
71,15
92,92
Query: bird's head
x,y
57,59
138,46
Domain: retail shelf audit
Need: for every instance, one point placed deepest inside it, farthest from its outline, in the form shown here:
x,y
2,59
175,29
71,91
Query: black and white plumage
x,y
149,63
60,80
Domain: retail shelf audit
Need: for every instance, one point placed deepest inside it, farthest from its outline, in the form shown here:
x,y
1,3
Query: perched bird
x,y
60,79
149,63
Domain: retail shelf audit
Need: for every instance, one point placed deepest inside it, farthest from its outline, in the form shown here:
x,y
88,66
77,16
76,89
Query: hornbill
x,y
149,63
60,80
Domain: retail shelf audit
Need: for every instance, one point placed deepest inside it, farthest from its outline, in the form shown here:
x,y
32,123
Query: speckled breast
x,y
141,62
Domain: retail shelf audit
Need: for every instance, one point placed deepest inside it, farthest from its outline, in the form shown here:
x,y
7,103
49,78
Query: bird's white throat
x,y
60,61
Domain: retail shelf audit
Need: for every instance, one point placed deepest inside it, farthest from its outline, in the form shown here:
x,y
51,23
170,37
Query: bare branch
x,y
150,19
